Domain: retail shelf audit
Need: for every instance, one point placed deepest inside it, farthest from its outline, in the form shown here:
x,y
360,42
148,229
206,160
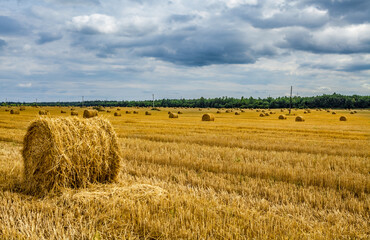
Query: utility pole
x,y
290,107
82,104
153,99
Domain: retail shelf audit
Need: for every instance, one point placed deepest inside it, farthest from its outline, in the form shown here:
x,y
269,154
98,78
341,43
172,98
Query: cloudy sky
x,y
128,49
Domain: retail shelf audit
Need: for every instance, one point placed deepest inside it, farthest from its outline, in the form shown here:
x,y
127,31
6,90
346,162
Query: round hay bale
x,y
90,113
237,113
147,113
117,114
108,111
342,118
262,115
218,112
266,114
7,110
257,110
179,112
128,112
208,117
69,152
304,112
173,115
299,119
22,108
13,111
355,111
136,112
63,111
282,117
227,111
43,112
118,109
352,113
74,113
200,109
333,113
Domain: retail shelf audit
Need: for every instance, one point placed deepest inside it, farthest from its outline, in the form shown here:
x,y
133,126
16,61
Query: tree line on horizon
x,y
324,101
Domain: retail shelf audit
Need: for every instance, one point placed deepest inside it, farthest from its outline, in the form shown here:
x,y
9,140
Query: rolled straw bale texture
x,y
282,117
90,113
69,152
237,113
262,115
74,113
61,111
208,117
343,118
299,119
22,108
43,112
173,115
13,111
147,113
117,114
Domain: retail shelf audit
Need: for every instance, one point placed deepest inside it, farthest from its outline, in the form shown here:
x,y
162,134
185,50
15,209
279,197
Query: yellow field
x,y
239,177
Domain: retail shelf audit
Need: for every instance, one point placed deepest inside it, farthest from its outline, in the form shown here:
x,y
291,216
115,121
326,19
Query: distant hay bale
x,y
299,119
282,117
304,112
355,111
13,111
343,118
266,114
173,115
61,111
7,110
257,110
128,112
227,111
22,108
117,114
262,115
263,111
200,109
237,113
118,109
218,112
179,112
147,113
281,110
108,111
352,113
74,113
90,113
136,112
241,110
333,113
43,112
69,152
308,111
208,117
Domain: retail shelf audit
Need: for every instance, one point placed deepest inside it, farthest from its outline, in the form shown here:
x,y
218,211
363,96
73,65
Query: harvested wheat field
x,y
240,177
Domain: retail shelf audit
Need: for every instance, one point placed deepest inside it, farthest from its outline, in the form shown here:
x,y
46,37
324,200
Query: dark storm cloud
x,y
45,37
339,41
352,11
2,44
181,18
9,26
309,17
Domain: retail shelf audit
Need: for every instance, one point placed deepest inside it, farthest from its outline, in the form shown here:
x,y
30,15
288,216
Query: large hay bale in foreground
x,y
208,117
173,115
342,118
299,119
69,152
90,113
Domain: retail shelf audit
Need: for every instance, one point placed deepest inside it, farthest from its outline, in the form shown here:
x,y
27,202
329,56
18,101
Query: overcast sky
x,y
128,49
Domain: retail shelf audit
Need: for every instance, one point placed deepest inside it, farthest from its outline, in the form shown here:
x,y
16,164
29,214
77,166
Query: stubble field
x,y
239,177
